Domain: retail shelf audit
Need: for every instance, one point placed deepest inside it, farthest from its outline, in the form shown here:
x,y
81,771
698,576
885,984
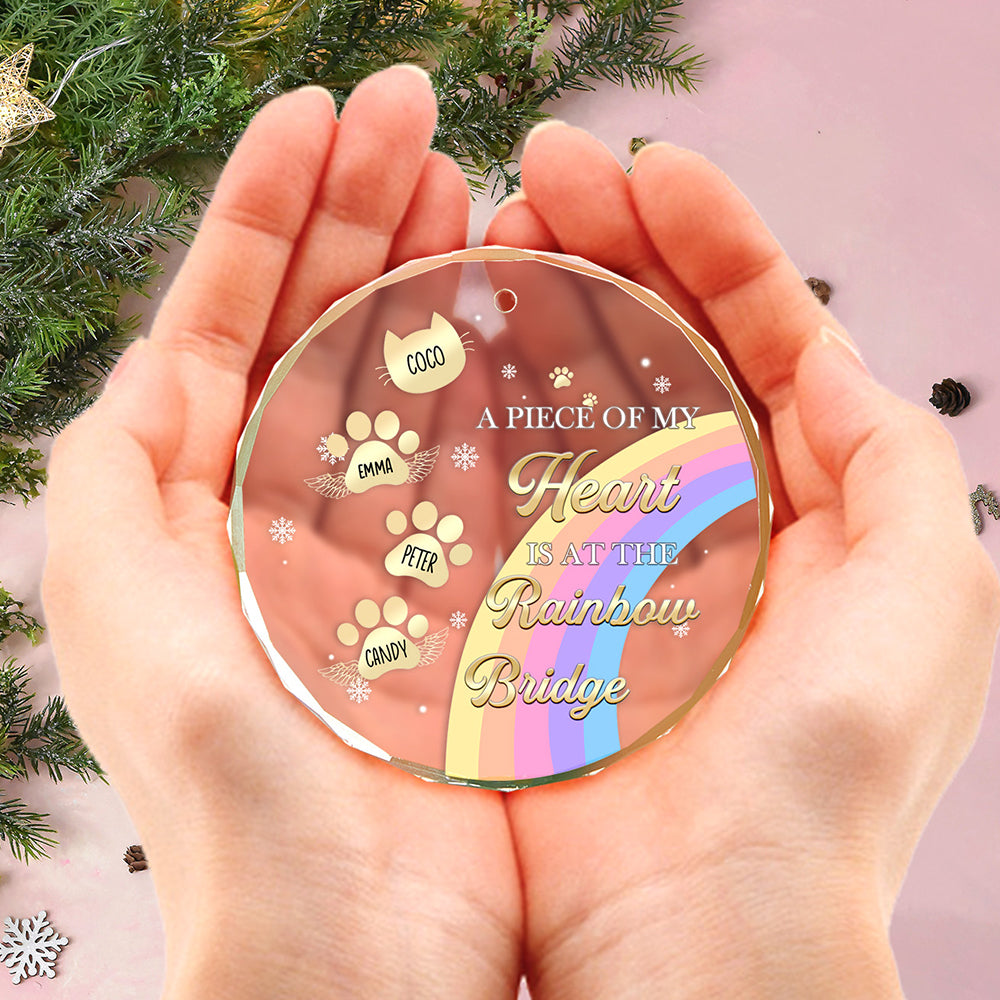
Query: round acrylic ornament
x,y
500,517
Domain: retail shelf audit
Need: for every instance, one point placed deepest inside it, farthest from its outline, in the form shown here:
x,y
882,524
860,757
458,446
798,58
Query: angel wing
x,y
420,465
341,673
331,485
432,647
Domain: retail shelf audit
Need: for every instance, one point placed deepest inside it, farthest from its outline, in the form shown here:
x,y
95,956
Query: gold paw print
x,y
561,377
389,459
385,647
421,555
589,399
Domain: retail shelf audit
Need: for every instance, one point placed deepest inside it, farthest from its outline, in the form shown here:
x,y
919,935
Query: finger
x,y
715,244
437,217
578,192
719,248
578,201
436,222
218,307
901,482
516,223
382,143
338,370
581,191
576,186
402,308
562,169
374,171
316,395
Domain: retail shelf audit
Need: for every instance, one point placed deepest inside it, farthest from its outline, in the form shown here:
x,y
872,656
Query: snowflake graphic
x,y
30,947
681,630
281,530
458,620
359,690
325,454
661,384
465,457
508,371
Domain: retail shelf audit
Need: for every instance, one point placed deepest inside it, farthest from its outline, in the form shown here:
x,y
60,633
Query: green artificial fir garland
x,y
30,741
174,92
151,95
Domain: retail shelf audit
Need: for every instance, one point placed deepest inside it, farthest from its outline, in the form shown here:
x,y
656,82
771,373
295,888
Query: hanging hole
x,y
505,300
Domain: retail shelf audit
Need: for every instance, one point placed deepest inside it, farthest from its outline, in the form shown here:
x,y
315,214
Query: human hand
x,y
760,845
285,863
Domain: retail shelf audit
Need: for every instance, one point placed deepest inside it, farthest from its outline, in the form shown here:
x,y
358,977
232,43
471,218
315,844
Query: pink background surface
x,y
866,135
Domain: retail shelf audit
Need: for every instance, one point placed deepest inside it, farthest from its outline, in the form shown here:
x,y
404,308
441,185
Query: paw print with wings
x,y
347,674
334,485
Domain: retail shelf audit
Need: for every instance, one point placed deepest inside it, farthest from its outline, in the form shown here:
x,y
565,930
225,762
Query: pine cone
x,y
950,397
135,858
820,289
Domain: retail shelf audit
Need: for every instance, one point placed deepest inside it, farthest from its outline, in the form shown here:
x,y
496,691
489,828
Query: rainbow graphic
x,y
524,741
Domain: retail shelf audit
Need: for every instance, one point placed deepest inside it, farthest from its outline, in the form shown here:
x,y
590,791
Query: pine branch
x,y
49,739
15,706
35,739
178,95
479,124
83,243
622,41
26,833
32,741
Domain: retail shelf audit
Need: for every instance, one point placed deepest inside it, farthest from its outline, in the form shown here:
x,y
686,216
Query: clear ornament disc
x,y
500,517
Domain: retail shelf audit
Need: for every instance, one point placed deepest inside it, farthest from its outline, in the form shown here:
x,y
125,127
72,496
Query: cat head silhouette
x,y
426,359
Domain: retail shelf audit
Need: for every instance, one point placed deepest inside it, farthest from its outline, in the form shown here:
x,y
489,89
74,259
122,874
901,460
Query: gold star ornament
x,y
20,112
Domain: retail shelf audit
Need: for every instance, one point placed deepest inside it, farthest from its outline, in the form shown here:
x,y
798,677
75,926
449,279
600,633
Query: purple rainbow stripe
x,y
546,739
602,650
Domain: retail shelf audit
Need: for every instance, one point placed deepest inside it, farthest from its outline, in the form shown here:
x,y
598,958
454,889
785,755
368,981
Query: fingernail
x,y
830,336
511,198
541,127
306,88
645,150
413,68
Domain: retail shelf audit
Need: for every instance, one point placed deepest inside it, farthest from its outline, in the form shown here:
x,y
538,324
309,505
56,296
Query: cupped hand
x,y
286,863
756,850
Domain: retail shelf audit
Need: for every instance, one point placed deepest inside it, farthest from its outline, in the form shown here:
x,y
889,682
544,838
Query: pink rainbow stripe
x,y
516,742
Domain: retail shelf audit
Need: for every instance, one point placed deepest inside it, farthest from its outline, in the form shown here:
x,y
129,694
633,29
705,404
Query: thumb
x,y
897,468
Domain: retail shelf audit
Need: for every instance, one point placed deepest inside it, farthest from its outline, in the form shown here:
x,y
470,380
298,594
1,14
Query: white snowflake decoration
x,y
281,531
325,453
661,384
681,630
465,457
30,947
359,690
458,620
508,371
